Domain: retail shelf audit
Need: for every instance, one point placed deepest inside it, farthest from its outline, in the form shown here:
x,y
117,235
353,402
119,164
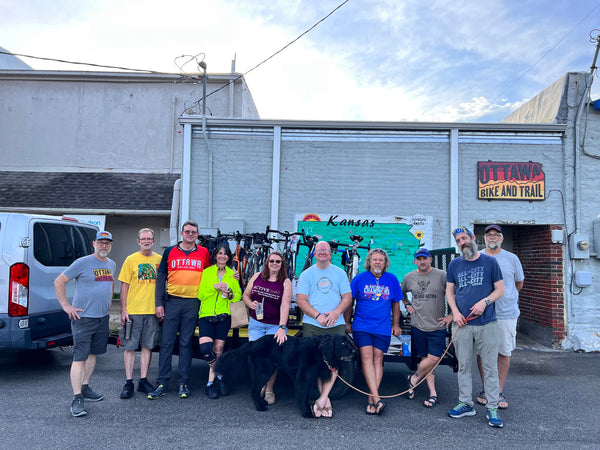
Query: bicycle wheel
x,y
249,271
354,268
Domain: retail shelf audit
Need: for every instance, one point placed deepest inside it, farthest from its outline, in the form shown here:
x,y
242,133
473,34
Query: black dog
x,y
303,359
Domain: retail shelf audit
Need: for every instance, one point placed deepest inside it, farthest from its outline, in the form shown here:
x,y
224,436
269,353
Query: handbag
x,y
239,314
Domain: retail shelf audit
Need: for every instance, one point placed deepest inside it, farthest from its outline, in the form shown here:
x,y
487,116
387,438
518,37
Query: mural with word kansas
x,y
399,236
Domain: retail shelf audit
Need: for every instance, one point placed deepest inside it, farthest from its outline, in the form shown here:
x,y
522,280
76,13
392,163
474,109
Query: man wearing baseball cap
x,y
473,284
507,307
428,321
94,286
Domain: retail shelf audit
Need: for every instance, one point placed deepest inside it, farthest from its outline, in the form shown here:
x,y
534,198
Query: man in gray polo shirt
x,y
94,286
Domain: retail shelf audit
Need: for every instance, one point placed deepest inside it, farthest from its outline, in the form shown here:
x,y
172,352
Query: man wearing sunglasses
x,y
177,306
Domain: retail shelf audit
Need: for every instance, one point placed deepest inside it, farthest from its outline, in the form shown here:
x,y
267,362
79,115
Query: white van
x,y
34,250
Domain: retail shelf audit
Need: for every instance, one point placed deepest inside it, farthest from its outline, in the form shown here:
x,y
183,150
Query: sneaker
x,y
160,390
222,387
89,394
211,391
78,407
145,386
461,410
494,418
184,392
127,391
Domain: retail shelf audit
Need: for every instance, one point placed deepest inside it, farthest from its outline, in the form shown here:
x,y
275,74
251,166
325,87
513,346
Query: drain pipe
x,y
209,203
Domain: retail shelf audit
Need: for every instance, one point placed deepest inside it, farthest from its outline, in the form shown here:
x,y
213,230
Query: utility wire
x,y
87,64
545,54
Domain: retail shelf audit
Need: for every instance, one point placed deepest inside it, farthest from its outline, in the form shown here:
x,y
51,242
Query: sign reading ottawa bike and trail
x,y
400,236
510,181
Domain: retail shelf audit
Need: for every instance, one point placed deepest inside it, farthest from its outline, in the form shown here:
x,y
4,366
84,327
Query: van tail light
x,y
18,302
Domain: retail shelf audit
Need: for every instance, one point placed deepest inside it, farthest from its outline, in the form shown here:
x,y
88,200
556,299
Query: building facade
x,y
257,173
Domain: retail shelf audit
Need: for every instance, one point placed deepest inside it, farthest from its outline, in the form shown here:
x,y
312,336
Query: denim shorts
x,y
257,329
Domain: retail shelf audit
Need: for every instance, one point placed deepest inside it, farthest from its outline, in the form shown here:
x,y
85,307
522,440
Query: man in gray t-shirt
x,y
428,321
507,307
94,285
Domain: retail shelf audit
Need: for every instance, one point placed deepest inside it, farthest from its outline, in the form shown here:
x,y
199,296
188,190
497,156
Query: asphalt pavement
x,y
552,396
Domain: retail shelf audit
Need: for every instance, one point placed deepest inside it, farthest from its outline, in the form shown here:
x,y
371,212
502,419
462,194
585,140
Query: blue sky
x,y
434,61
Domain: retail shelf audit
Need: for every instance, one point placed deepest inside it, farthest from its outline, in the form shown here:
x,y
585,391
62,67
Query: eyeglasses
x,y
103,243
493,235
189,232
274,261
145,239
322,251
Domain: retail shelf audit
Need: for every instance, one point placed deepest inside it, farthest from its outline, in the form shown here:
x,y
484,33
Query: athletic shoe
x,y
127,391
211,391
494,418
158,392
184,392
223,389
145,386
461,410
89,394
78,407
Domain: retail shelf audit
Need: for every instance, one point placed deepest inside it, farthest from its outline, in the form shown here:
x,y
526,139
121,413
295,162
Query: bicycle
x,y
350,256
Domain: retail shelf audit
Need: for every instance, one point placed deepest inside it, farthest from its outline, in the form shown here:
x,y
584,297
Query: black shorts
x,y
215,330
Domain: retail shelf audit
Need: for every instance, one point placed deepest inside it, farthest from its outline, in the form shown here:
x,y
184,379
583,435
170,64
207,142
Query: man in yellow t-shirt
x,y
140,325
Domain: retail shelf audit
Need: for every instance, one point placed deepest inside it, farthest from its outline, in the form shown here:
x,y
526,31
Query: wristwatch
x,y
283,327
487,301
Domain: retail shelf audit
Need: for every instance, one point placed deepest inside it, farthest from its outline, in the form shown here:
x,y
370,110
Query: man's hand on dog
x,y
280,336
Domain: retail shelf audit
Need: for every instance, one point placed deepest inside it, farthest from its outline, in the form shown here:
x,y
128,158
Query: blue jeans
x,y
181,314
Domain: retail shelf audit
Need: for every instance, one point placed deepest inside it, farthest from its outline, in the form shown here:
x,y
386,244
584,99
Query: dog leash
x,y
423,378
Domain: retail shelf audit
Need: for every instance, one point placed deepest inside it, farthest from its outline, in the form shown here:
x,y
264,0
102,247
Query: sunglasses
x,y
275,261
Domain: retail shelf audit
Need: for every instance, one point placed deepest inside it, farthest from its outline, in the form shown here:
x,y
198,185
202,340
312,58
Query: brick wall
x,y
541,300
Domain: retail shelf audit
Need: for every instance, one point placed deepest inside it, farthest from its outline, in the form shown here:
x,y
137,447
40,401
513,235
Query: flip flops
x,y
369,406
432,401
482,399
381,406
269,397
502,399
410,395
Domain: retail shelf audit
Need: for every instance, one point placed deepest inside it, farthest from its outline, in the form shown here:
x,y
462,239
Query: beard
x,y
469,250
492,245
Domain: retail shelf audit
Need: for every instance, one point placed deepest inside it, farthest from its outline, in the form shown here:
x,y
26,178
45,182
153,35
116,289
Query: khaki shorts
x,y
309,330
507,336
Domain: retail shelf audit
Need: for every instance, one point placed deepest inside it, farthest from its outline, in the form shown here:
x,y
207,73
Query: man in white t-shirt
x,y
507,307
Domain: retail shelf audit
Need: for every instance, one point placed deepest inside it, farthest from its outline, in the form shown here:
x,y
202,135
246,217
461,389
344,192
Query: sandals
x,y
316,410
369,406
430,402
482,399
410,395
380,405
269,397
502,399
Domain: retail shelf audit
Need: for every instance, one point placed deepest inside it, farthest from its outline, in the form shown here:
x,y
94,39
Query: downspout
x,y
209,207
453,183
186,170
275,179
173,224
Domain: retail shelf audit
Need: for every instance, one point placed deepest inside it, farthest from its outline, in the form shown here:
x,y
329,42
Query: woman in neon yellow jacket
x,y
218,288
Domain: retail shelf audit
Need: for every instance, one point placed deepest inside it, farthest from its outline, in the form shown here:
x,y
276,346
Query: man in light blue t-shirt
x,y
323,295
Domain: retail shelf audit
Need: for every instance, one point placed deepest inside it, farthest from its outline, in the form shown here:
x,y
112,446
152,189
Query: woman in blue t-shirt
x,y
376,293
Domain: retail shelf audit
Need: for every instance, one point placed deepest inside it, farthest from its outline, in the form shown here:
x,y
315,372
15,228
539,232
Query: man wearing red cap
x,y
507,308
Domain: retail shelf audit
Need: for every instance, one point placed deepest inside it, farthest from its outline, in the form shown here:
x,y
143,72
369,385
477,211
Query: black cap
x,y
498,228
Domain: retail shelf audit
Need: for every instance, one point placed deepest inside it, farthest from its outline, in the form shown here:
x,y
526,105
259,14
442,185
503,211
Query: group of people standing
x,y
186,287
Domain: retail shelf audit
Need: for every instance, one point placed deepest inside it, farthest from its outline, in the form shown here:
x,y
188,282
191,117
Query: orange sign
x,y
510,181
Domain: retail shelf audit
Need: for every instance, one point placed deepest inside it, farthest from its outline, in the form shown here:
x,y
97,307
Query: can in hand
x,y
128,325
